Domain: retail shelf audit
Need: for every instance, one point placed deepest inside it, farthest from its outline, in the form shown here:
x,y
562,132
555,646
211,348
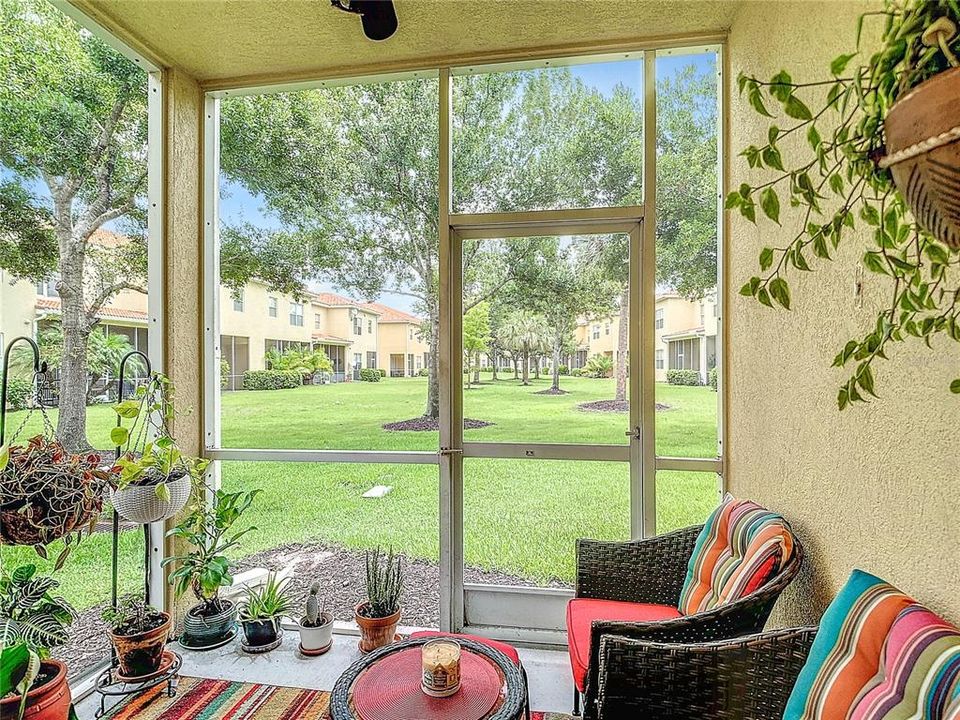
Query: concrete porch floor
x,y
548,671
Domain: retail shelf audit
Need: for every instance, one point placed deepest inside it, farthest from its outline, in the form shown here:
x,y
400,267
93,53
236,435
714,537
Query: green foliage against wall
x,y
271,379
370,375
19,391
713,378
683,377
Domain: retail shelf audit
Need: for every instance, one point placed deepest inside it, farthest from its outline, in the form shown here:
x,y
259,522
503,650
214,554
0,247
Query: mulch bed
x,y
423,424
613,406
341,574
551,391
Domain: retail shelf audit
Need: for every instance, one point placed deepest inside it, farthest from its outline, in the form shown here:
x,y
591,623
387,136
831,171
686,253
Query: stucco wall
x,y
875,487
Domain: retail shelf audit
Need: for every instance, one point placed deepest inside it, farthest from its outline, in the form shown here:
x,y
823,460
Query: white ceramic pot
x,y
316,639
140,504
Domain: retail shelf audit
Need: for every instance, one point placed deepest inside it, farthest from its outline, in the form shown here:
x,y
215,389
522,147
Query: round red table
x,y
385,685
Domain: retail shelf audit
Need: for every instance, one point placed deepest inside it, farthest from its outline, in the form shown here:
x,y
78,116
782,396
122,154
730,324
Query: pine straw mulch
x,y
620,406
424,424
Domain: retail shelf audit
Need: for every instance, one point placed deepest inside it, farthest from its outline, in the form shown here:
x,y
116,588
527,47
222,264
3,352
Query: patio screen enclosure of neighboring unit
x,y
501,489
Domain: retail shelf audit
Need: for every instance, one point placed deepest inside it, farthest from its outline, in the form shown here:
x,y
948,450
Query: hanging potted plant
x,y
32,621
139,635
47,493
316,625
882,152
379,615
204,569
260,615
154,479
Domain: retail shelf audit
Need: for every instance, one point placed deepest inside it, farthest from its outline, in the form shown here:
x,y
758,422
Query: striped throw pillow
x,y
740,547
919,673
845,656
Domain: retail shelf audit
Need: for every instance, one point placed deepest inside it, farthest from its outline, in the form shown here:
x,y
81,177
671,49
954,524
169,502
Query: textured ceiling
x,y
214,40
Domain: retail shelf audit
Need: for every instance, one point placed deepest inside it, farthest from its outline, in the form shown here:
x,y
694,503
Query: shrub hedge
x,y
424,372
370,375
271,379
19,391
713,378
683,377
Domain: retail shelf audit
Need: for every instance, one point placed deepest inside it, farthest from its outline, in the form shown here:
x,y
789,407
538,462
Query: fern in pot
x,y
33,619
154,479
379,615
316,625
261,613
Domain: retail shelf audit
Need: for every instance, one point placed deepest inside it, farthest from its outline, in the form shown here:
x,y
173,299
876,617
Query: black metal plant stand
x,y
109,682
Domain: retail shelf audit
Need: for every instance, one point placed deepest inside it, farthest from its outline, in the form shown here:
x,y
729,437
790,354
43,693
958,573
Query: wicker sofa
x,y
651,573
749,678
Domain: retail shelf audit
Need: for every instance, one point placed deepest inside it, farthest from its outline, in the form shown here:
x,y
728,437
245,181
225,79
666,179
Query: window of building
x,y
296,314
357,361
371,359
659,319
48,287
659,359
685,354
596,332
703,313
606,329
370,327
238,302
411,333
357,325
316,321
272,306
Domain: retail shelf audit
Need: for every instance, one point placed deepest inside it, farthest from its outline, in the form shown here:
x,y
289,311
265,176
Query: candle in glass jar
x,y
441,667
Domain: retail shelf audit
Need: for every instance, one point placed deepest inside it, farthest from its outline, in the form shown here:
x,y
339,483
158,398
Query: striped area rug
x,y
200,699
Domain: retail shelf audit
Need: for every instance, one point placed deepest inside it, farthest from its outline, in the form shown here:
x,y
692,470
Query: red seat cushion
x,y
581,612
509,650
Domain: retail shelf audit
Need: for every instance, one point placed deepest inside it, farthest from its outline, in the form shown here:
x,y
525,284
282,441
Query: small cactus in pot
x,y
316,626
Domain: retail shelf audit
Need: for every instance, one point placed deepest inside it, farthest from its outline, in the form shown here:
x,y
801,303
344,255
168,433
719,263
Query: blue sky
x,y
238,205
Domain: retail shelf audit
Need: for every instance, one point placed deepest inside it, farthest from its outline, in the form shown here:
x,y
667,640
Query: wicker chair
x,y
653,572
749,678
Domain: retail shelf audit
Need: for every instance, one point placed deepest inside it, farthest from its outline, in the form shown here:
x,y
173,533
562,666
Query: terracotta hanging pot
x,y
923,153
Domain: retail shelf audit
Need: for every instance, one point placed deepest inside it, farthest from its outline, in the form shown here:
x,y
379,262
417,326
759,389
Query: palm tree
x,y
524,332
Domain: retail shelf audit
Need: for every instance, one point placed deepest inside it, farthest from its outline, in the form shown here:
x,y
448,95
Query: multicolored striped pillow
x,y
845,655
919,672
740,547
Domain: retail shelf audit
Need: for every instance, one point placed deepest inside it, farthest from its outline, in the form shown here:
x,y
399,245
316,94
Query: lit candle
x,y
441,667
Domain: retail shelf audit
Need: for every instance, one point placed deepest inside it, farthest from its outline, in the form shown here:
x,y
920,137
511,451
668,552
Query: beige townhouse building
x,y
401,340
686,336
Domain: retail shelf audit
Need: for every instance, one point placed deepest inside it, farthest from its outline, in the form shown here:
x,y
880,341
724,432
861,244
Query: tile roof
x,y
392,315
106,313
329,298
331,339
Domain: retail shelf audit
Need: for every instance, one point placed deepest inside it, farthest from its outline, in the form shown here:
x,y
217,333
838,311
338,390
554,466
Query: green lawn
x,y
521,517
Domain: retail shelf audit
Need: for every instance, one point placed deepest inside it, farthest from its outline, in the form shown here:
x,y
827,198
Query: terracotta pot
x,y
929,179
376,632
50,701
140,654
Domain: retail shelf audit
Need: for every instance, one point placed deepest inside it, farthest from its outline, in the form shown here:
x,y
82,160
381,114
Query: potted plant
x,y
139,635
32,620
153,478
47,493
379,614
261,612
204,569
882,153
316,625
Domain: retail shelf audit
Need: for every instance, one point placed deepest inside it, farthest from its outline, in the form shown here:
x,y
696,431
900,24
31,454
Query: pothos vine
x,y
840,183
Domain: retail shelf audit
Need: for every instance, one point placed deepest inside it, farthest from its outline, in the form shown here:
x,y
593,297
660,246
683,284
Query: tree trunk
x,y
433,379
71,424
495,359
622,345
555,386
476,369
516,367
536,367
526,367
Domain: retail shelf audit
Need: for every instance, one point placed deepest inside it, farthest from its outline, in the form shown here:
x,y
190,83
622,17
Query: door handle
x,y
635,433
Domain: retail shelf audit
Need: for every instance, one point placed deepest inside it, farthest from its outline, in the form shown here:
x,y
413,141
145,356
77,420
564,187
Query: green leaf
x,y
865,379
771,156
836,183
781,86
119,435
813,137
756,100
843,398
772,134
764,297
770,204
870,215
874,263
766,258
955,387
795,108
4,458
127,409
840,63
749,288
733,200
937,254
749,211
14,662
163,492
780,292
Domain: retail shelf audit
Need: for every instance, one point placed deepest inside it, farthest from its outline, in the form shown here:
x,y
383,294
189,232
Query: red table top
x,y
390,690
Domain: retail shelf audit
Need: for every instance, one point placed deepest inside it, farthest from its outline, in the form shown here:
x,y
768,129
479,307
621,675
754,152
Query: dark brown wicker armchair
x,y
749,678
653,571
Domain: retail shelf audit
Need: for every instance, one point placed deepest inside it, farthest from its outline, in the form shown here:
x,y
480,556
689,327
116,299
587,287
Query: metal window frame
x,y
640,452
